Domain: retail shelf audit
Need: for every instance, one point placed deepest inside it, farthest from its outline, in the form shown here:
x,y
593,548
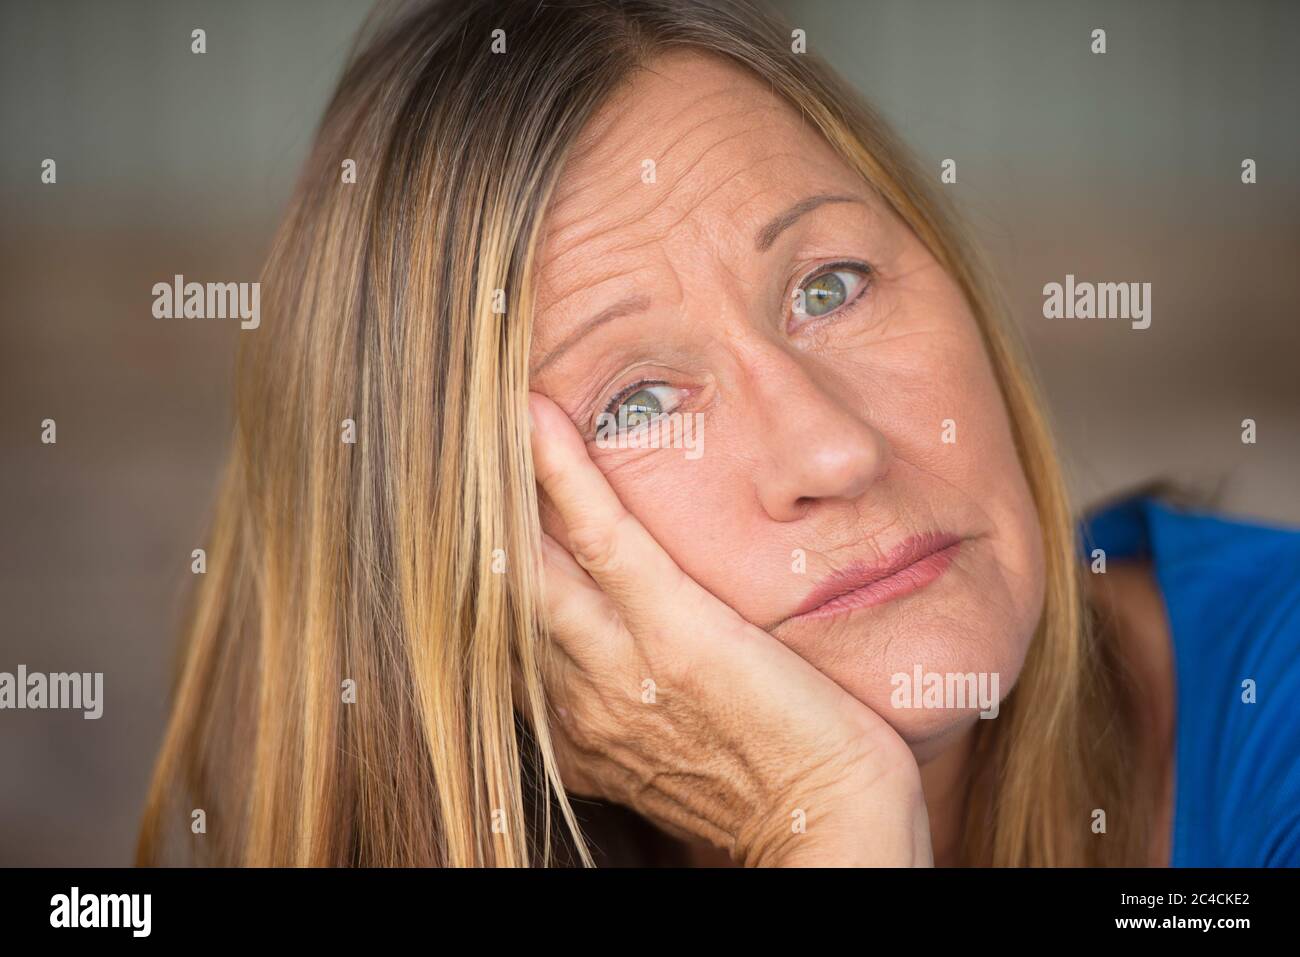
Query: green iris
x,y
824,294
640,407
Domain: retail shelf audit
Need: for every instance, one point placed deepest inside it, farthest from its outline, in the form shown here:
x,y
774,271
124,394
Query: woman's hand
x,y
668,702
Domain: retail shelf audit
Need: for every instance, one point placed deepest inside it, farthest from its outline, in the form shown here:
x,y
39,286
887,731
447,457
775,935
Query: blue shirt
x,y
1232,592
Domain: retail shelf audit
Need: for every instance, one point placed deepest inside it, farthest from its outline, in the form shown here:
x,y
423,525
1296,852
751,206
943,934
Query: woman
x,y
472,601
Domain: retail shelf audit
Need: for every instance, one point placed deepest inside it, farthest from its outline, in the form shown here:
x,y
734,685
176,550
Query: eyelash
x,y
822,268
628,391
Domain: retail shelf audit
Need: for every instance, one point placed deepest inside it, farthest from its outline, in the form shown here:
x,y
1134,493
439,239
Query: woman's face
x,y
856,435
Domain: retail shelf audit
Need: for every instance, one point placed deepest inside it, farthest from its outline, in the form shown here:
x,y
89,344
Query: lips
x,y
907,568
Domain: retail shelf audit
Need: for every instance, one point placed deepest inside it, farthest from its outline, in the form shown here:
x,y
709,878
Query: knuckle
x,y
582,729
595,546
572,771
564,615
547,473
579,631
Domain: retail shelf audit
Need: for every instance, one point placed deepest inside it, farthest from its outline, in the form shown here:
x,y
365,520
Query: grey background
x,y
1122,167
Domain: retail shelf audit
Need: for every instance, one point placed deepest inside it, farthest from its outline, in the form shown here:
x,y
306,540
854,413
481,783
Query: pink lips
x,y
909,567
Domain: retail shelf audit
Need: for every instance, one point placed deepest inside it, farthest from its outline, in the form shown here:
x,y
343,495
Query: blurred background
x,y
1121,167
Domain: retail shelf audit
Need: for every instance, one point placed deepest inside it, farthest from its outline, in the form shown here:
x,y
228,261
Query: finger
x,y
583,629
605,538
571,603
582,621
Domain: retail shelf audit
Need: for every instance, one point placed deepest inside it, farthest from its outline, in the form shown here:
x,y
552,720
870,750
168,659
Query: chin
x,y
936,661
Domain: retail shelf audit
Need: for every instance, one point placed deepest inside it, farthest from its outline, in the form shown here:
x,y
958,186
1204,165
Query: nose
x,y
817,444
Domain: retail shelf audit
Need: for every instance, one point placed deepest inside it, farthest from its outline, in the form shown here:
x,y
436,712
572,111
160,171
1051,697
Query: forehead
x,y
725,151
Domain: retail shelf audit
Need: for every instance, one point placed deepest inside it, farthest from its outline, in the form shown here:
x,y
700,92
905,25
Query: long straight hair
x,y
359,657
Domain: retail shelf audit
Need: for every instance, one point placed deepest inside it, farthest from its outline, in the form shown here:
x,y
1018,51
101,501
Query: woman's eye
x,y
829,290
643,403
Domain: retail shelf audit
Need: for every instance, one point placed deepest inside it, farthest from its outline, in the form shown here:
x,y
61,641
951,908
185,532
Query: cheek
x,y
983,462
932,391
936,396
705,514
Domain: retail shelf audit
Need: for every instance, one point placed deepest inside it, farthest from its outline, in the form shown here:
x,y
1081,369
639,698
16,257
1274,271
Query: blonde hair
x,y
404,565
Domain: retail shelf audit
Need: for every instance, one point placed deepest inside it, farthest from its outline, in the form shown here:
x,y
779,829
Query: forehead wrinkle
x,y
579,281
681,179
607,140
640,243
575,193
782,185
672,192
695,104
582,284
559,246
604,144
730,177
718,187
680,183
680,141
741,83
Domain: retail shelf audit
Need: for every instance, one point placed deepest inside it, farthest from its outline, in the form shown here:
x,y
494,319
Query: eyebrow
x,y
632,305
783,221
621,309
